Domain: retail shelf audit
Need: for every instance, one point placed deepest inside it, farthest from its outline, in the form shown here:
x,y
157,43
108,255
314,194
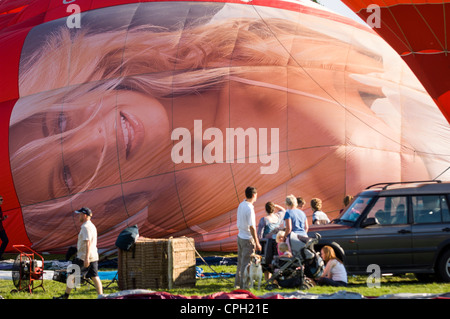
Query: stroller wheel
x,y
271,287
307,284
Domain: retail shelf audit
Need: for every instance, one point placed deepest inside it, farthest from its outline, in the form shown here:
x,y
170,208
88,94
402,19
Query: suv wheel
x,y
443,267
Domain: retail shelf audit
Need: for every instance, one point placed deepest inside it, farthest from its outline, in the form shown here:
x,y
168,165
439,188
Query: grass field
x,y
357,284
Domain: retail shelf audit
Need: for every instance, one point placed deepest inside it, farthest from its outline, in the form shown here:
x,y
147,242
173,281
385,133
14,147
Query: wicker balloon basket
x,y
158,264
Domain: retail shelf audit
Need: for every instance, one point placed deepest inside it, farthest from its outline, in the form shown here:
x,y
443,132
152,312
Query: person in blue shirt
x,y
295,219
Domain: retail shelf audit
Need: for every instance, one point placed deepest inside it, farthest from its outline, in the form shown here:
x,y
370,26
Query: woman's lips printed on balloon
x,y
132,133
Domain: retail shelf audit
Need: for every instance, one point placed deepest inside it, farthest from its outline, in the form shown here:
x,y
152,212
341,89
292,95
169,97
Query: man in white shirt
x,y
247,237
87,253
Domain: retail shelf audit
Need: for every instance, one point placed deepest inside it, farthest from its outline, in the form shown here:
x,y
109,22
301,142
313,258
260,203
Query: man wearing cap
x,y
87,253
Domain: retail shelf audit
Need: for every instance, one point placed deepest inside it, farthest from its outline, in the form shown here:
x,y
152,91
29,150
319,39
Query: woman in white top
x,y
334,273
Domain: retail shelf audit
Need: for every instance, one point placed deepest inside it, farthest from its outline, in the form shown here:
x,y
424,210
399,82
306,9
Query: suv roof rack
x,y
396,183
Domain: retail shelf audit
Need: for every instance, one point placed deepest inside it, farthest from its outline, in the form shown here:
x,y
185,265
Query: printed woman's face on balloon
x,y
106,139
115,139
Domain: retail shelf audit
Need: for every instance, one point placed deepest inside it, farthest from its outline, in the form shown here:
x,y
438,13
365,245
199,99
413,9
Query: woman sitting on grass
x,y
334,273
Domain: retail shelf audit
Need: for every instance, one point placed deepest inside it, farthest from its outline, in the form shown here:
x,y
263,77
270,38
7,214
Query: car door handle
x,y
447,229
404,231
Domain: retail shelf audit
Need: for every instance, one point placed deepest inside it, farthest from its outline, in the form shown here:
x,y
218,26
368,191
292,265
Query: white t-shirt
x,y
320,215
245,219
335,270
88,232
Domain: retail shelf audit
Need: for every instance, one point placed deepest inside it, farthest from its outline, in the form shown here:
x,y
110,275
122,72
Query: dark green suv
x,y
401,228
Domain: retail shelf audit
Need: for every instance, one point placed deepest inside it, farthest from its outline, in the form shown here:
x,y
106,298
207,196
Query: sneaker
x,y
65,296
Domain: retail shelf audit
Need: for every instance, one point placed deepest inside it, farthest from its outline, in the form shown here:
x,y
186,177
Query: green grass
x,y
357,284
52,289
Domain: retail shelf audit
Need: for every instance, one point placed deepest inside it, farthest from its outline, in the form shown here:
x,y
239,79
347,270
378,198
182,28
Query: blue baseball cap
x,y
84,210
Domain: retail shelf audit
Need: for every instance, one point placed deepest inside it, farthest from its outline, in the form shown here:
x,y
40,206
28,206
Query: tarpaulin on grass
x,y
201,274
244,294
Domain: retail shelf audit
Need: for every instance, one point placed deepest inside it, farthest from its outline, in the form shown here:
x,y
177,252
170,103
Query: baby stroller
x,y
297,271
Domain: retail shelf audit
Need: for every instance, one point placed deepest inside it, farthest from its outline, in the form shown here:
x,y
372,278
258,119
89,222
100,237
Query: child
x,y
280,239
283,250
319,217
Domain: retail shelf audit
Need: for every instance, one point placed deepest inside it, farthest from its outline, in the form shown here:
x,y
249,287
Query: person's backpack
x,y
127,237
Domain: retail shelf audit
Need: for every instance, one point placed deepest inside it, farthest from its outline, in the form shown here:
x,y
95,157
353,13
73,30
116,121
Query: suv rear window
x,y
430,209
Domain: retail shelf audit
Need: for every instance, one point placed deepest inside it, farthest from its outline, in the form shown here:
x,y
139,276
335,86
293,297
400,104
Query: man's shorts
x,y
89,272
